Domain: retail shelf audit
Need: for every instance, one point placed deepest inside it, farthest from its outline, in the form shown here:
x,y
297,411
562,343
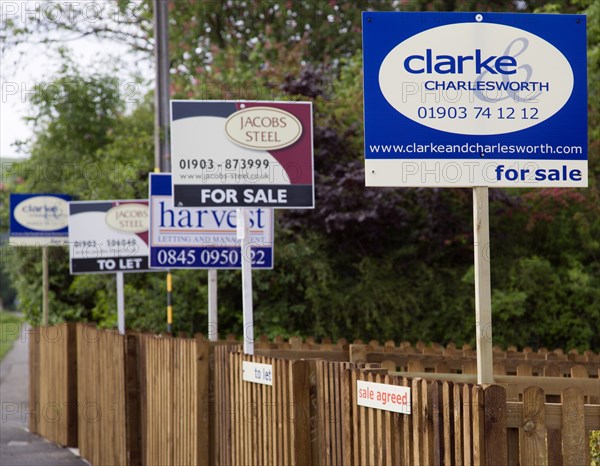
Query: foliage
x,y
7,292
595,447
87,147
365,263
10,328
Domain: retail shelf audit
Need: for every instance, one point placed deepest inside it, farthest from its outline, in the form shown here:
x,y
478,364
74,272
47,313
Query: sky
x,y
38,65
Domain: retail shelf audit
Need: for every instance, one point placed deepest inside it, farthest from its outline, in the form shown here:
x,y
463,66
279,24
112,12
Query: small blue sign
x,y
39,219
475,99
203,238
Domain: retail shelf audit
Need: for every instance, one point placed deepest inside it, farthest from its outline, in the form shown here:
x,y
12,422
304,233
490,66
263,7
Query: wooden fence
x,y
174,376
143,399
106,390
470,425
450,423
270,424
53,383
450,360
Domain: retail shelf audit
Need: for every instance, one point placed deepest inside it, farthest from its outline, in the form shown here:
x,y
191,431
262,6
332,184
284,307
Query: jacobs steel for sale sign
x,y
108,236
242,154
475,99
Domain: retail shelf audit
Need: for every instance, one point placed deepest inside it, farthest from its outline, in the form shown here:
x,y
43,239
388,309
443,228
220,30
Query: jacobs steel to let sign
x,y
108,236
242,154
39,219
203,237
467,99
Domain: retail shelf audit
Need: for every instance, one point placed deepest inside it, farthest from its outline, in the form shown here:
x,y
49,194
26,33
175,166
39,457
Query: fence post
x,y
314,410
533,432
300,403
205,423
72,420
358,353
34,378
132,400
574,445
347,394
210,410
478,414
495,433
435,422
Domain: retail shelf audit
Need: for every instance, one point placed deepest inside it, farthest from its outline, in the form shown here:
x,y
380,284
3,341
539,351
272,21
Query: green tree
x,y
368,263
86,146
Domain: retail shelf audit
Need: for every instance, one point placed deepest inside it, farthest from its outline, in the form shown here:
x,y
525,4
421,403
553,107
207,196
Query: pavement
x,y
19,447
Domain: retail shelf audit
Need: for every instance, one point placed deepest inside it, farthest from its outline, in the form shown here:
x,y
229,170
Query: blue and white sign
x,y
203,238
468,99
39,219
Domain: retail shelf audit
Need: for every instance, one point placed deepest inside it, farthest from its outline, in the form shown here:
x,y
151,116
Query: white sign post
x,y
45,285
120,303
213,319
243,232
483,290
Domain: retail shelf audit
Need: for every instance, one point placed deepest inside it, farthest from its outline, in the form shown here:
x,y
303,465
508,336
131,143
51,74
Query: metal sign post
x,y
120,303
169,302
243,233
213,323
483,293
45,285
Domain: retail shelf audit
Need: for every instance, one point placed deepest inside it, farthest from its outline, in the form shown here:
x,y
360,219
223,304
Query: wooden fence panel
x,y
448,424
53,381
101,357
223,412
270,424
175,401
300,403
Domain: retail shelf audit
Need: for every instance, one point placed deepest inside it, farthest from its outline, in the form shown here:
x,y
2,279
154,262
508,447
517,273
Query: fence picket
x,y
574,439
533,433
407,429
418,430
495,425
458,402
378,429
478,419
448,421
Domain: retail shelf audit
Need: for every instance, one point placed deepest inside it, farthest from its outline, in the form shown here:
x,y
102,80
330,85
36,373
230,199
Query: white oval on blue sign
x,y
476,78
43,213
